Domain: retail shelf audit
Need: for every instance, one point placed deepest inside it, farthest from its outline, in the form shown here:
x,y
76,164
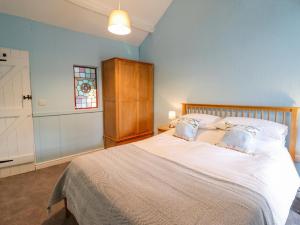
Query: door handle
x,y
28,97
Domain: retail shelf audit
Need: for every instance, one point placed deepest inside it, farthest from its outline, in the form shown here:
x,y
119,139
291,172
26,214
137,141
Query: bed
x,y
167,180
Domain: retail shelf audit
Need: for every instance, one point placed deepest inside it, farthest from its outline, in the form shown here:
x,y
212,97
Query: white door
x,y
16,128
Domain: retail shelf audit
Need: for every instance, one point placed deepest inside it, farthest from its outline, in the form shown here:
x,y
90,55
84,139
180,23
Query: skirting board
x,y
62,160
14,170
25,168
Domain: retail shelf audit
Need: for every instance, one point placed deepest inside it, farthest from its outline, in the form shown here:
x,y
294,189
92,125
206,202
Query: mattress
x,y
167,180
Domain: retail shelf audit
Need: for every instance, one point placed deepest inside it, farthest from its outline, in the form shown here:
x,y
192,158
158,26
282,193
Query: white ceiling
x,y
90,16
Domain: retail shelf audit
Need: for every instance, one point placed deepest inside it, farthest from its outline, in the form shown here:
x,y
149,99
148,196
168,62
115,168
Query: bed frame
x,y
283,115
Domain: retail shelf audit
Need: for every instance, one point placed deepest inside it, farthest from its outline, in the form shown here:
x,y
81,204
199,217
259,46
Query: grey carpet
x,y
23,200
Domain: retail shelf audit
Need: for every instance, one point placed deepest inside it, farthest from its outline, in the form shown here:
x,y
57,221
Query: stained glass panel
x,y
85,85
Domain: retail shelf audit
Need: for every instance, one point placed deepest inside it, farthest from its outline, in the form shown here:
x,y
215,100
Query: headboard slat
x,y
273,114
283,117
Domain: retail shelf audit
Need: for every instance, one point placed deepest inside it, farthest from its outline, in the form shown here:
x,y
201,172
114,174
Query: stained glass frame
x,y
85,87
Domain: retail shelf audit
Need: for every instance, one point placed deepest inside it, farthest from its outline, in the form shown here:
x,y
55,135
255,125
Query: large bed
x,y
168,180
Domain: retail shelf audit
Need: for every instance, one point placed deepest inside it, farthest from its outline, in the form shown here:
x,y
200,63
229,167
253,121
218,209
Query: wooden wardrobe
x,y
127,101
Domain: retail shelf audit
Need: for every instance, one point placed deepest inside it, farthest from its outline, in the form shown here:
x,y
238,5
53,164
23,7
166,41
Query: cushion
x,y
187,129
240,138
206,121
267,128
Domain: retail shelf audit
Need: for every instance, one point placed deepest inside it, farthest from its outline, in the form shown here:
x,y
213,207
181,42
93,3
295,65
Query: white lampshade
x,y
172,115
119,22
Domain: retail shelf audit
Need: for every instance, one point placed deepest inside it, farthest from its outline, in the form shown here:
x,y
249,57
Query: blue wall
x,y
59,129
226,52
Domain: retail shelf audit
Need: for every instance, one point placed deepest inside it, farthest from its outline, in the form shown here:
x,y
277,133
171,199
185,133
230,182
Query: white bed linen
x,y
271,173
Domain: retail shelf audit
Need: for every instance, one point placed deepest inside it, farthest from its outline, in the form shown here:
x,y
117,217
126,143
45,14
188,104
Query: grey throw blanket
x,y
126,185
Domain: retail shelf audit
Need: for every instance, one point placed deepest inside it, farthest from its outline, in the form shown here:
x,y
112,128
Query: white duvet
x,y
271,173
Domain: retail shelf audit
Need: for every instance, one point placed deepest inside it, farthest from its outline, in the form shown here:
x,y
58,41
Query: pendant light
x,y
119,22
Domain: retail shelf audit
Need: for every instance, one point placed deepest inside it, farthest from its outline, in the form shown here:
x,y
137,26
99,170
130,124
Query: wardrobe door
x,y
127,99
145,98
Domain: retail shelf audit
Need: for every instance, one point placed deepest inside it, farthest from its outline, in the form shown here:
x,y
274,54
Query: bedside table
x,y
163,128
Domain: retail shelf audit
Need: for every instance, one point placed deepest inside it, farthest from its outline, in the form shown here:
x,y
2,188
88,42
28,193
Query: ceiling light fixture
x,y
119,22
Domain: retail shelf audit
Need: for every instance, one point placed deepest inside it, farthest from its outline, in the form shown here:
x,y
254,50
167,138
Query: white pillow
x,y
187,129
206,121
267,128
240,138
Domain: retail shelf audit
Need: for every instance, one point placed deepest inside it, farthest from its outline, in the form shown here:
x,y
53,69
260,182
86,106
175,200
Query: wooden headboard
x,y
283,115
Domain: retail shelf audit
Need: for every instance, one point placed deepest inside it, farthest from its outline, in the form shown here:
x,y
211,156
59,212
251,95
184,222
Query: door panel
x,y
145,82
127,119
127,98
128,81
16,128
145,98
145,113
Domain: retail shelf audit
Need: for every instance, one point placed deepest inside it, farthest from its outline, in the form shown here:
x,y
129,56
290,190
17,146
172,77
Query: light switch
x,y
42,102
